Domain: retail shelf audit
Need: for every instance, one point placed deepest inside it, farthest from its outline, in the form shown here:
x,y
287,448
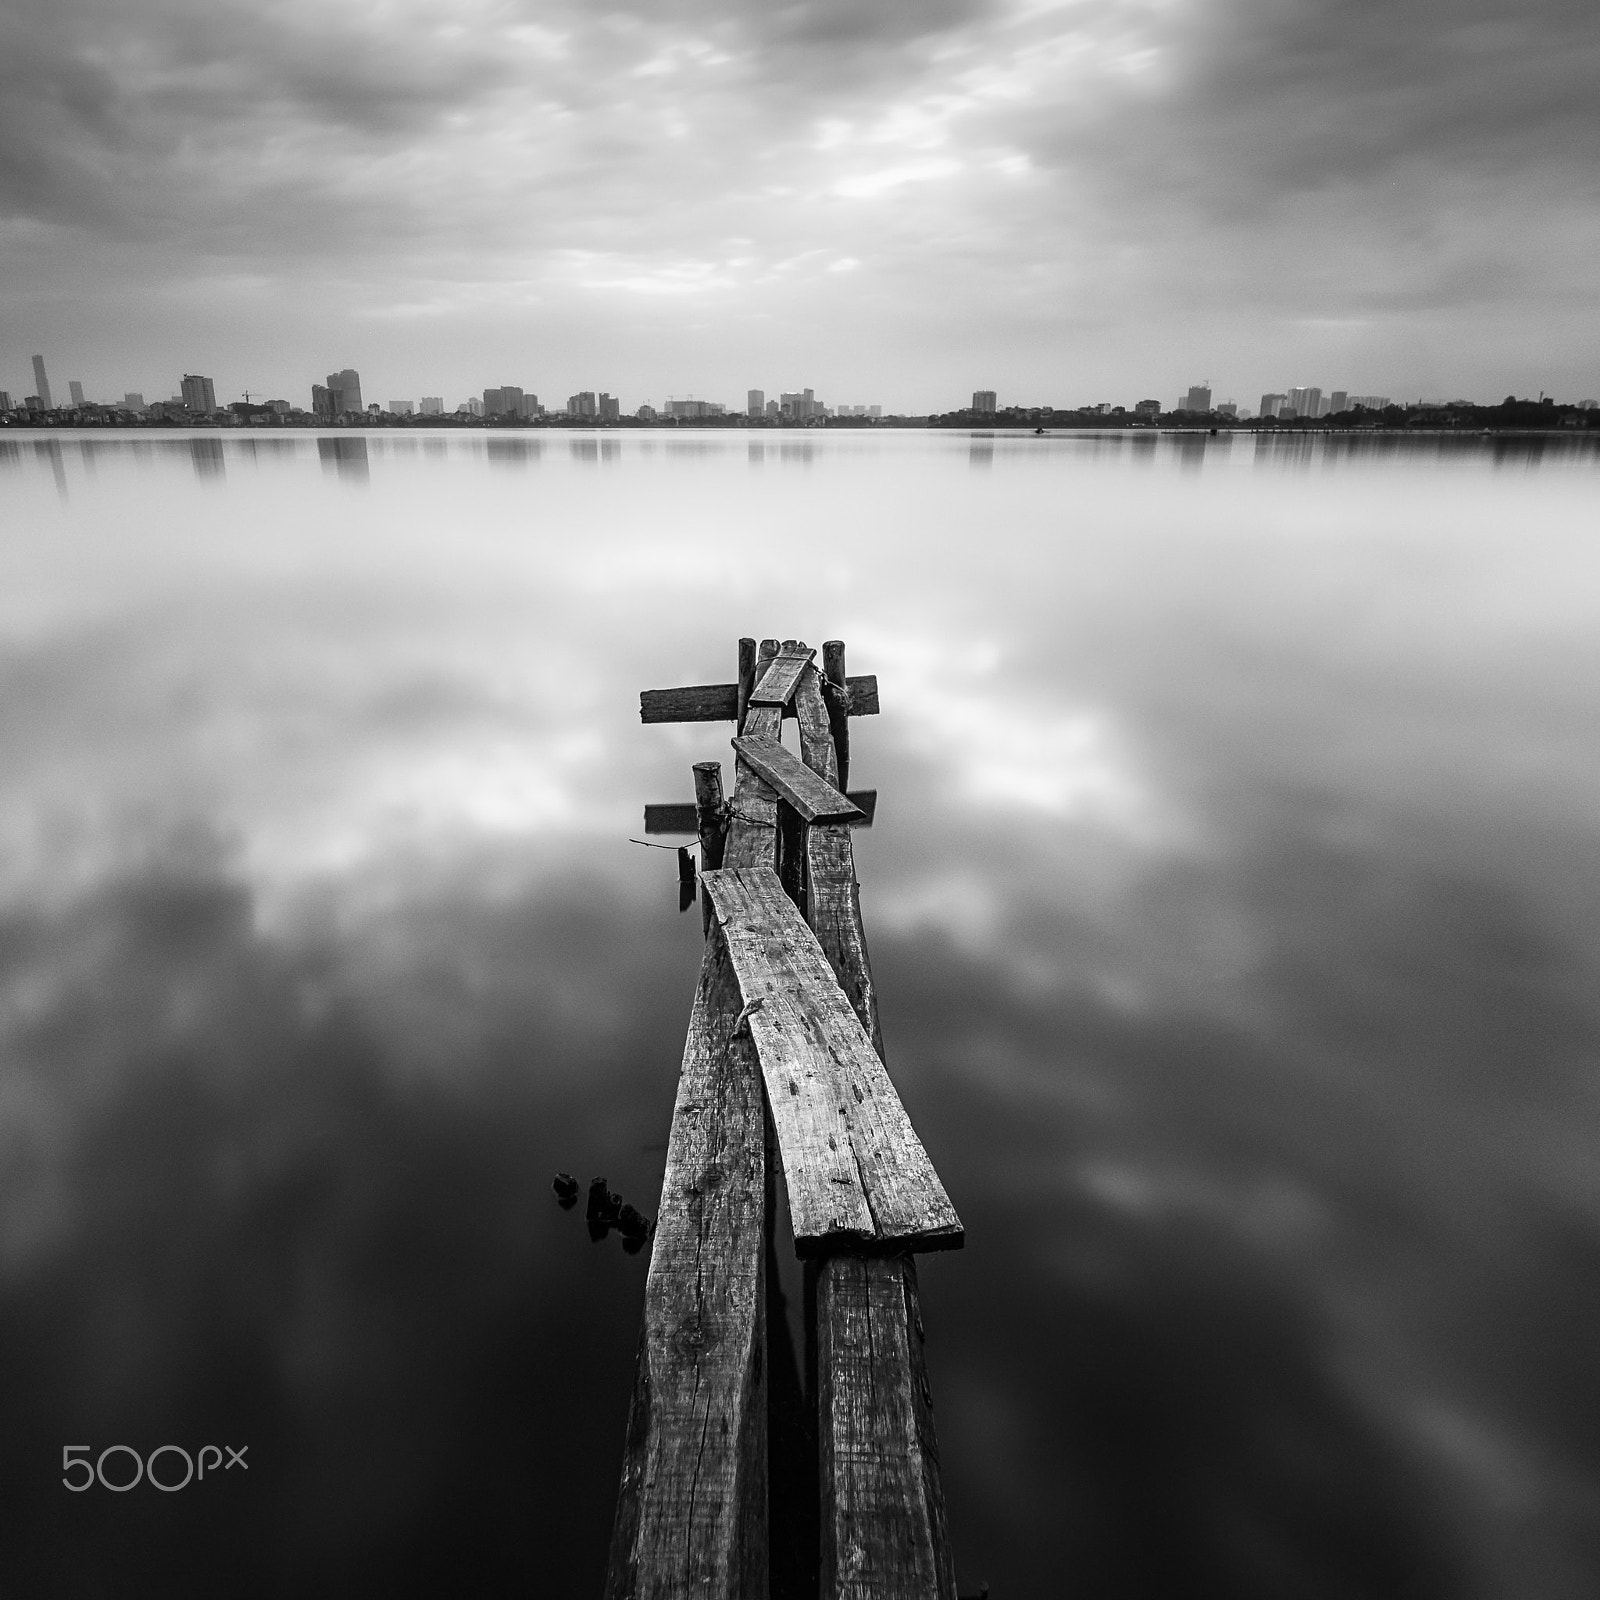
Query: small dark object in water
x,y
598,1229
634,1243
631,1225
566,1188
603,1205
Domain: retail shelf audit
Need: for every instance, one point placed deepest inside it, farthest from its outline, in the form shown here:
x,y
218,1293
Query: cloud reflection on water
x,y
1231,902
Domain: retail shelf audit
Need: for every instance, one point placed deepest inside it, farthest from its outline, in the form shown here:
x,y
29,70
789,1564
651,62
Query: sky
x,y
1068,201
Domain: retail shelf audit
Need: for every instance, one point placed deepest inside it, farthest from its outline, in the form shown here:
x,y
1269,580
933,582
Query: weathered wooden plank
x,y
710,815
747,677
853,1166
776,687
752,839
719,702
682,816
884,1534
813,797
691,1516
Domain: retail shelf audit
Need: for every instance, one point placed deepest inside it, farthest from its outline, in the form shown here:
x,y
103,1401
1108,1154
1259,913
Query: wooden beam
x,y
692,1512
776,687
719,702
747,677
813,797
682,816
836,695
752,839
884,1533
854,1168
710,815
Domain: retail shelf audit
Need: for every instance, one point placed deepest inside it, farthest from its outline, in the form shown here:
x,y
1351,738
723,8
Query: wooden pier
x,y
723,1495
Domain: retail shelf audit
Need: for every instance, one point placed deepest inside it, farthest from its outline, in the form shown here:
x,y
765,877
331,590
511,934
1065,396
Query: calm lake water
x,y
1234,896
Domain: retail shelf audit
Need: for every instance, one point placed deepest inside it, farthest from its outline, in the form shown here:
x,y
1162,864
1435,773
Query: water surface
x,y
1233,899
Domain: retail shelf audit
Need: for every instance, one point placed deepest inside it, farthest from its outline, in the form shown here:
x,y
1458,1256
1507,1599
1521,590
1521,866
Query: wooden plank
x,y
681,816
776,687
884,1533
853,1165
719,702
752,839
747,677
813,797
692,1512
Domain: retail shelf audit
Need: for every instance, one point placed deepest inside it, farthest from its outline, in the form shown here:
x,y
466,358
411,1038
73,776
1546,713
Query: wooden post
x,y
837,697
711,820
747,676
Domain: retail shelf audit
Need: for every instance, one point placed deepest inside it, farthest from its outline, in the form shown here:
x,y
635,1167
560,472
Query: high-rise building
x,y
75,389
432,405
199,394
774,409
983,400
1306,402
1198,398
5,401
1272,404
133,401
799,405
1228,408
401,408
1147,408
1371,402
1338,401
581,404
691,410
755,403
608,408
321,400
531,406
503,402
344,391
42,384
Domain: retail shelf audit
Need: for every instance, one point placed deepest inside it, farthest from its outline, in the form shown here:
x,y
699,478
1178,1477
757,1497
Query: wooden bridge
x,y
729,1488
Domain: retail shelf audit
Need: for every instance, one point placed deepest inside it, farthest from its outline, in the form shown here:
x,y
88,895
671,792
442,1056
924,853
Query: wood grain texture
x,y
776,686
836,695
812,796
884,1534
719,702
854,1168
752,839
691,1516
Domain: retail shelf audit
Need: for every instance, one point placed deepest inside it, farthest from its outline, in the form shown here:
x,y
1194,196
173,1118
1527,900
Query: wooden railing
x,y
783,1065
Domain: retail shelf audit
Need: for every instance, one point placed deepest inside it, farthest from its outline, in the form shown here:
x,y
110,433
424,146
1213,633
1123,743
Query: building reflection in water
x,y
206,454
513,452
50,450
346,457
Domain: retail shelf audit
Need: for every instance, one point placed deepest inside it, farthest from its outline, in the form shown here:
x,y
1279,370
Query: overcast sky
x,y
886,200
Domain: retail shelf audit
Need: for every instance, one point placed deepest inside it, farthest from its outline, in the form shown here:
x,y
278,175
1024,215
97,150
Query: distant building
x,y
431,405
1228,408
34,403
693,410
321,400
472,405
75,389
1369,402
774,409
42,384
581,404
799,405
344,389
983,400
401,408
503,402
199,394
5,401
755,403
1305,402
646,412
133,401
1272,404
1197,399
1338,401
1147,408
609,408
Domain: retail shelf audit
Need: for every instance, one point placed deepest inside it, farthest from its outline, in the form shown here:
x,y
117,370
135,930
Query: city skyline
x,y
912,202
